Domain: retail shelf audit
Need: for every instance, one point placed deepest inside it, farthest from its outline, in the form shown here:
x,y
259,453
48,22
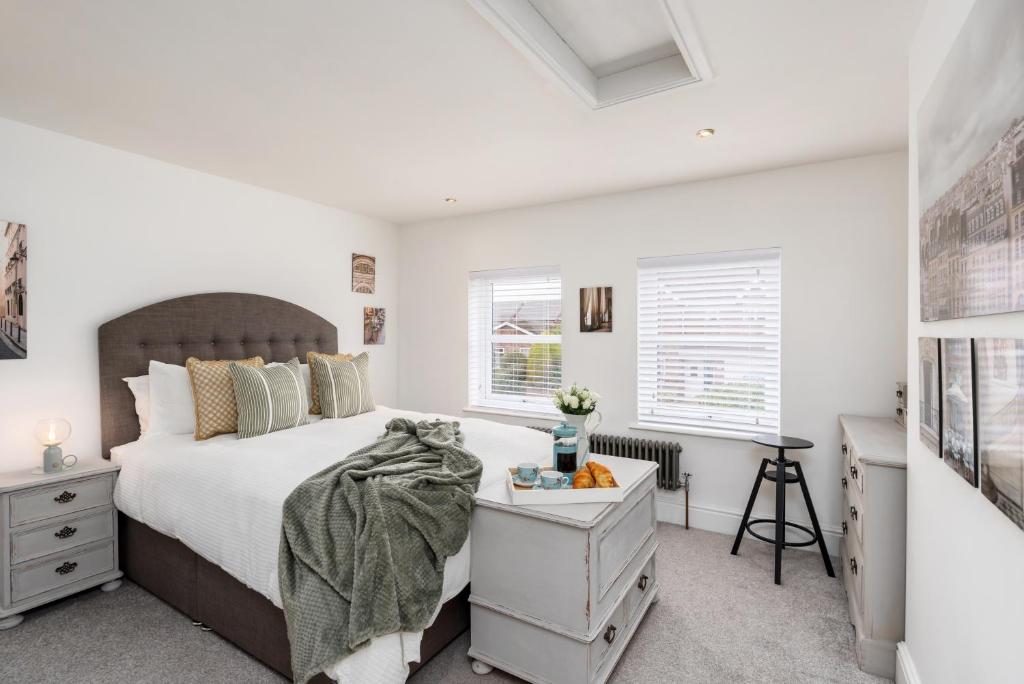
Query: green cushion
x,y
270,398
343,386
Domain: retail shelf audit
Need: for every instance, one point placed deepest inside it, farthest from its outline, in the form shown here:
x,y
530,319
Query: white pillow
x,y
171,411
140,390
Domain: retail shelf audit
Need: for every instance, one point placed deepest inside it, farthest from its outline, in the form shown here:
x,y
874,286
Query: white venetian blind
x,y
515,338
708,342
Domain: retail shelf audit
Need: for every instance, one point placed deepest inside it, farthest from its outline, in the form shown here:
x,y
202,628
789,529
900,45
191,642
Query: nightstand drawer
x,y
62,535
67,497
56,571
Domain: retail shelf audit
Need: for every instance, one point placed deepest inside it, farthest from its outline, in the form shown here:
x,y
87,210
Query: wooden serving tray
x,y
524,496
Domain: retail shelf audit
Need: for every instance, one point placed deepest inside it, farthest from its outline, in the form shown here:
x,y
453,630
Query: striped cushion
x,y
344,386
269,399
213,395
314,398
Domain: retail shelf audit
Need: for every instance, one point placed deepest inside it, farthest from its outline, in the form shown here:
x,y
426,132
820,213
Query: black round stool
x,y
781,463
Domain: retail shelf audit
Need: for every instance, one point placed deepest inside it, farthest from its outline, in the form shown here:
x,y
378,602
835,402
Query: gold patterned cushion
x,y
213,395
314,399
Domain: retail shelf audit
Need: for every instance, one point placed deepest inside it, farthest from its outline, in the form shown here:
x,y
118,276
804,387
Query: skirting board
x,y
728,521
906,672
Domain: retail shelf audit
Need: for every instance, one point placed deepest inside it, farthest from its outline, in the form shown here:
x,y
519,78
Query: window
x,y
515,339
708,343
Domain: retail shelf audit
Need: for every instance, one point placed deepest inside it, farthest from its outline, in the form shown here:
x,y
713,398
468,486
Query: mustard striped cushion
x,y
213,395
269,399
343,386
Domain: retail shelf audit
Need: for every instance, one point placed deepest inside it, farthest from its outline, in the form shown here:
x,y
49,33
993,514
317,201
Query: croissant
x,y
601,474
582,479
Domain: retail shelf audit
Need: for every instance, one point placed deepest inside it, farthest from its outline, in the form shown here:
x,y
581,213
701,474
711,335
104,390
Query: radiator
x,y
665,454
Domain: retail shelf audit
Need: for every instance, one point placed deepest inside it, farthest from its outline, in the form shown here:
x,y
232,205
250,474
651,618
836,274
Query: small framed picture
x,y
13,291
930,405
959,442
373,325
595,309
364,273
1000,371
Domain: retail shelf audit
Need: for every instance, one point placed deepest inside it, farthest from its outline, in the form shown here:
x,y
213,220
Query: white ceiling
x,y
388,107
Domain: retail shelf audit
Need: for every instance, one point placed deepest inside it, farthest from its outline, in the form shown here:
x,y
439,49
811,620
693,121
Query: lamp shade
x,y
52,431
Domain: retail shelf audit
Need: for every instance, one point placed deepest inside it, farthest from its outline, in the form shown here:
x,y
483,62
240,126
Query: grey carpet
x,y
720,619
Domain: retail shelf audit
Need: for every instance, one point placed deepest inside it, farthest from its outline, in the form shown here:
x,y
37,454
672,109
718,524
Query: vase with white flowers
x,y
579,409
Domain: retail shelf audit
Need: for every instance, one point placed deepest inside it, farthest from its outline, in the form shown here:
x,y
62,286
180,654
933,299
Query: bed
x,y
200,521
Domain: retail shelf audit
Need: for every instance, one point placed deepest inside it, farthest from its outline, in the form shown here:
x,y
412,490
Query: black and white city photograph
x,y
1000,368
930,409
971,170
958,408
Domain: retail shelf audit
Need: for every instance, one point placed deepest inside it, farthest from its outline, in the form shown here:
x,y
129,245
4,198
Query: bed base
x,y
204,592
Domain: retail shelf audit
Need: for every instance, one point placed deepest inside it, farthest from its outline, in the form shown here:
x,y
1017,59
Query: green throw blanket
x,y
363,542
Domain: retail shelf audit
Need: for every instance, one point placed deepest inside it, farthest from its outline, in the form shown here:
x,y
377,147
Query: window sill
x,y
515,413
696,432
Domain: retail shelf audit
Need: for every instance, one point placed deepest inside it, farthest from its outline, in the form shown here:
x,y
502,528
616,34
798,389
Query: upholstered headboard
x,y
219,325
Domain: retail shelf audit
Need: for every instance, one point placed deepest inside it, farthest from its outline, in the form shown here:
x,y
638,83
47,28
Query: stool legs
x,y
814,523
780,513
750,506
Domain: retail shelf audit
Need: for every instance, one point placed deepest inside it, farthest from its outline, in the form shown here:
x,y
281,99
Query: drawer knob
x,y
853,472
844,449
844,527
844,483
65,532
642,584
609,634
853,565
65,497
853,512
65,569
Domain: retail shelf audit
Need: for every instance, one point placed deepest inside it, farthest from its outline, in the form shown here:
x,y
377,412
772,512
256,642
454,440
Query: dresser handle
x,y
844,449
609,634
65,532
642,584
853,472
853,512
844,528
66,568
65,497
899,394
844,483
853,565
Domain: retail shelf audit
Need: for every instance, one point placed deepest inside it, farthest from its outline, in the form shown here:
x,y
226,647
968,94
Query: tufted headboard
x,y
218,325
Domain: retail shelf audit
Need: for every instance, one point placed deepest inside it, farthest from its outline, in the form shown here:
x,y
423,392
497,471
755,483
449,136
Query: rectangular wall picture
x,y
1000,369
595,309
958,438
373,325
364,273
971,170
13,328
930,408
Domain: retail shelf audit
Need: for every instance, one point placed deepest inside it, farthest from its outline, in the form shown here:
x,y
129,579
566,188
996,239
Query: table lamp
x,y
51,433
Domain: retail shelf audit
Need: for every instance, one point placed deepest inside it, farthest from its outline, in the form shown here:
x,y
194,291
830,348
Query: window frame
x,y
708,429
486,401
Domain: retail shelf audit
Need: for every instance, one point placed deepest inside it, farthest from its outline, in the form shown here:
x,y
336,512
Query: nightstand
x,y
559,590
58,536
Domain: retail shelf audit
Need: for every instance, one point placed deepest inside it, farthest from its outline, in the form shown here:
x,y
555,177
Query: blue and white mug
x,y
552,479
527,472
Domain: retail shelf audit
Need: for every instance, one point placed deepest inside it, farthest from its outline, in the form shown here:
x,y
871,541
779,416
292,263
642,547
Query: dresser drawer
x,y
56,571
59,536
853,514
639,587
853,571
855,471
67,497
620,540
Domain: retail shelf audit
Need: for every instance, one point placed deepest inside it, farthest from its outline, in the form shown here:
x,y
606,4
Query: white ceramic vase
x,y
585,426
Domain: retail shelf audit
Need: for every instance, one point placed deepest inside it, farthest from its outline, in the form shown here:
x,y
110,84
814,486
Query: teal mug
x,y
552,479
527,472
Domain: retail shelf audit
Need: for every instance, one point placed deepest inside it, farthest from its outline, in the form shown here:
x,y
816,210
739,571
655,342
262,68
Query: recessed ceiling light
x,y
705,132
450,200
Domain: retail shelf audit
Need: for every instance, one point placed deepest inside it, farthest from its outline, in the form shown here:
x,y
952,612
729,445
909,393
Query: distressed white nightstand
x,y
58,536
558,591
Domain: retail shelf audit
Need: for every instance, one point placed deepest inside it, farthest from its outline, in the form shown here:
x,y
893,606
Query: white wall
x,y
111,231
841,229
965,559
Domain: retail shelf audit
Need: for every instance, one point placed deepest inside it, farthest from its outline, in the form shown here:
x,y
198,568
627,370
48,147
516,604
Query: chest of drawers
x,y
558,591
873,553
58,536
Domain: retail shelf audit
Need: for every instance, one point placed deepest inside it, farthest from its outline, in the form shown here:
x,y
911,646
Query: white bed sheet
x,y
222,498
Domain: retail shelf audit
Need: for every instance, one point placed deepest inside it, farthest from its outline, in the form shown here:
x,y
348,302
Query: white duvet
x,y
222,498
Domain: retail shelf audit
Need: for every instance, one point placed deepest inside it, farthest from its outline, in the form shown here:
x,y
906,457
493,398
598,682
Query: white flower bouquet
x,y
576,401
